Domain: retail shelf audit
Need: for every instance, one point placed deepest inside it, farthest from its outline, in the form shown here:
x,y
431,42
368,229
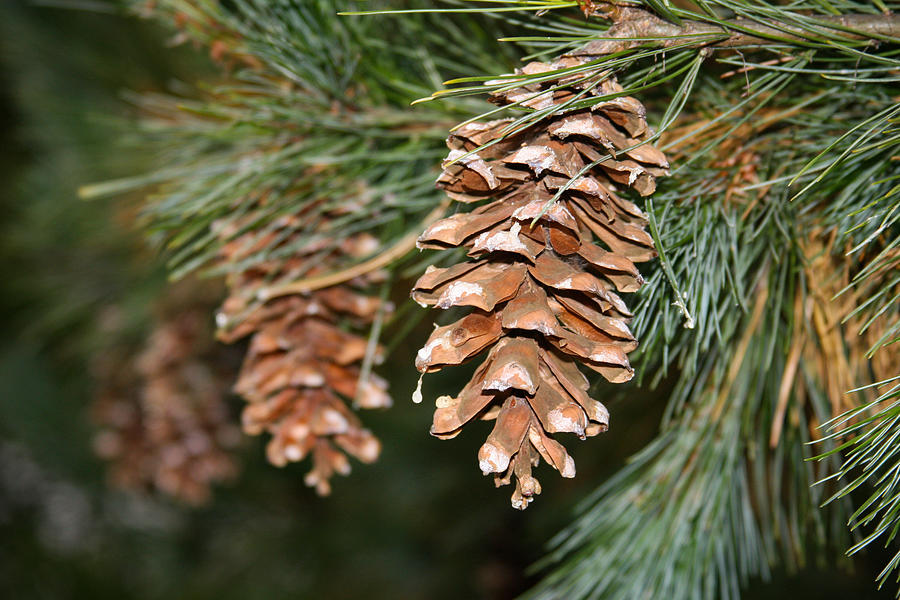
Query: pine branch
x,y
720,220
708,505
312,122
634,27
872,461
383,259
653,52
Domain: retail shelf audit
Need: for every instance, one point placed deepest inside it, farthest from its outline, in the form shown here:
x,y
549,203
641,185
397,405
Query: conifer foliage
x,y
755,182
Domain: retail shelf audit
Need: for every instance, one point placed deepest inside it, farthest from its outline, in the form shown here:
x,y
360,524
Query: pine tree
x,y
769,292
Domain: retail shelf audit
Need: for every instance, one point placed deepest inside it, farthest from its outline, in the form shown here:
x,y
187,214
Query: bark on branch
x,y
643,28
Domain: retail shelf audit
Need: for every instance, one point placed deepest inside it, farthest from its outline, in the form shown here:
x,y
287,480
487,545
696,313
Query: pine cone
x,y
164,420
301,366
543,293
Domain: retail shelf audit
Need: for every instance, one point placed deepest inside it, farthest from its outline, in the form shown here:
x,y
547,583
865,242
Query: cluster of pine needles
x,y
774,304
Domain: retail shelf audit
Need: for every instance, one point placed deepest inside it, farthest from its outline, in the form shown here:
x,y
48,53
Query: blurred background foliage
x,y
78,277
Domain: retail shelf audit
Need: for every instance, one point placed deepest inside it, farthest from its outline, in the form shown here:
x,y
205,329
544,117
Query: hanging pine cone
x,y
163,417
542,277
302,367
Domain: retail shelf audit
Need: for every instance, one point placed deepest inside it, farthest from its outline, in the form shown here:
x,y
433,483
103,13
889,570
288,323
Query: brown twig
x,y
765,63
401,247
634,27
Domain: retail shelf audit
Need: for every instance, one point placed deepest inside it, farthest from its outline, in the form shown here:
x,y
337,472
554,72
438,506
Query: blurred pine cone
x,y
163,416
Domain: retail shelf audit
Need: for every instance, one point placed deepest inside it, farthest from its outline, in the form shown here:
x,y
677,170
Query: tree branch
x,y
401,247
634,27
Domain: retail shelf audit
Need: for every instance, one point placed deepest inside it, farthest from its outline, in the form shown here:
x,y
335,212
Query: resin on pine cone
x,y
543,277
164,420
302,367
